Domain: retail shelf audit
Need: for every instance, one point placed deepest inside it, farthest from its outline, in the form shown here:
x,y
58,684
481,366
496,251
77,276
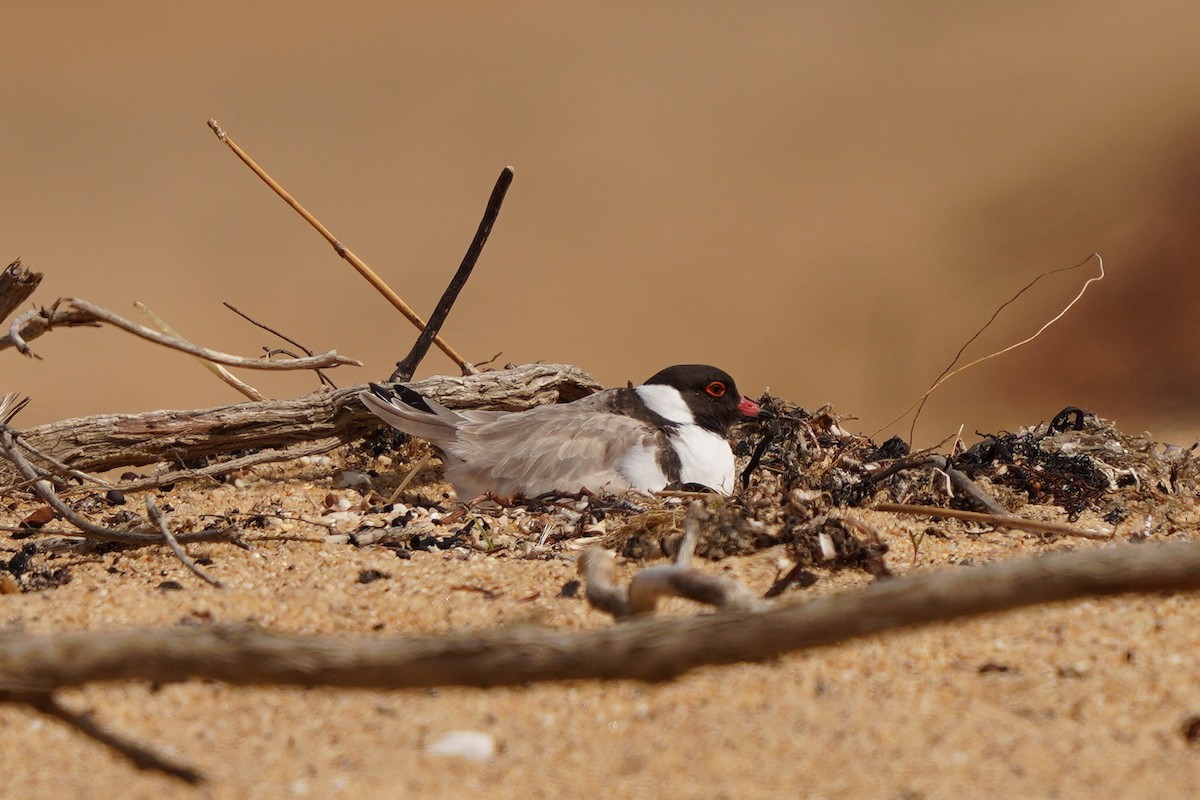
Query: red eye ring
x,y
715,389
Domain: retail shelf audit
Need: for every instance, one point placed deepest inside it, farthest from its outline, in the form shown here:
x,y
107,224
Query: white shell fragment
x,y
473,745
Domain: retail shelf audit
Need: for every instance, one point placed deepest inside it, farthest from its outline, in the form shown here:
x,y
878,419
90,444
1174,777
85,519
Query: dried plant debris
x,y
812,451
1079,462
27,571
649,585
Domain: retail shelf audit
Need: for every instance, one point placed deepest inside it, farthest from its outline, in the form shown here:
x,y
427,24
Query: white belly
x,y
640,467
704,458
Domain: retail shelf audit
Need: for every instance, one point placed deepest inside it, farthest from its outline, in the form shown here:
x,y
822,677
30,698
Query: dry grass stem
x,y
412,473
1003,520
948,373
216,369
11,404
343,251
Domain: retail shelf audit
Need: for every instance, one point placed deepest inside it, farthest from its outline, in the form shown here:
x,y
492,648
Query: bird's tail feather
x,y
405,410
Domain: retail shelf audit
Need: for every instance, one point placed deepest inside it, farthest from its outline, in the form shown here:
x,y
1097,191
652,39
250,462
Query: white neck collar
x,y
667,402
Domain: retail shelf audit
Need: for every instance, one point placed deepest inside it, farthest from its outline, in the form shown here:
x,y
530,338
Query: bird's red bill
x,y
749,408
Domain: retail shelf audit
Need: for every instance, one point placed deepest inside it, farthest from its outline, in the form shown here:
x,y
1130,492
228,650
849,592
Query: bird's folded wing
x,y
564,448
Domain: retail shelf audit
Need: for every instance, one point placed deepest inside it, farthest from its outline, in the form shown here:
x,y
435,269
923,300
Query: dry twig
x,y
140,756
156,517
339,248
219,468
956,477
649,585
17,283
407,367
321,375
45,490
32,666
1003,520
216,369
71,311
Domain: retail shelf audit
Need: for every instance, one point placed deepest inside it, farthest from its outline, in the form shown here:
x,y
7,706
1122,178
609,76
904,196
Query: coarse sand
x,y
1085,699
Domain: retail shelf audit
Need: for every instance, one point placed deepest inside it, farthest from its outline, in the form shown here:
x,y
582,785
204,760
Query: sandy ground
x,y
1087,699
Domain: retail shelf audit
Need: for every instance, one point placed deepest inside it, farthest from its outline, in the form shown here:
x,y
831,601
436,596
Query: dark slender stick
x,y
407,368
288,339
142,757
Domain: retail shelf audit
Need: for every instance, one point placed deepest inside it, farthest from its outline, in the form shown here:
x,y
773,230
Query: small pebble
x,y
343,519
473,745
352,479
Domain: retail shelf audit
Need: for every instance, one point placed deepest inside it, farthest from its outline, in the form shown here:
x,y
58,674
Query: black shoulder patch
x,y
627,402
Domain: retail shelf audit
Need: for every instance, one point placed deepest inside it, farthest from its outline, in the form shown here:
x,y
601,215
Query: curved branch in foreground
x,y
108,441
71,312
649,650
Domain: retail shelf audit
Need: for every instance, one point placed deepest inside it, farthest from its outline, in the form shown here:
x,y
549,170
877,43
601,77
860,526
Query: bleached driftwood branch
x,y
654,649
17,283
43,488
72,312
107,441
677,579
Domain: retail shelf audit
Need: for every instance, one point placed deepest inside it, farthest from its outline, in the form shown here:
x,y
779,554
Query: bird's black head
x,y
710,394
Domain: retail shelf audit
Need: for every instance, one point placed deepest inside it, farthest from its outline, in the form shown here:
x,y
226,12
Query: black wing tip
x,y
390,394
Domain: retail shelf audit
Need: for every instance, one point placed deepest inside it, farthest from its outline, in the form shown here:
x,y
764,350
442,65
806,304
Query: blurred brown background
x,y
826,201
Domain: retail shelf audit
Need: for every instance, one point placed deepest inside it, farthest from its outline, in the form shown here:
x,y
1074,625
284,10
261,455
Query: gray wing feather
x,y
565,448
438,427
559,447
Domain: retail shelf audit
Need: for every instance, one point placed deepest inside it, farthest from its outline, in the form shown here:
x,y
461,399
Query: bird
x,y
670,430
